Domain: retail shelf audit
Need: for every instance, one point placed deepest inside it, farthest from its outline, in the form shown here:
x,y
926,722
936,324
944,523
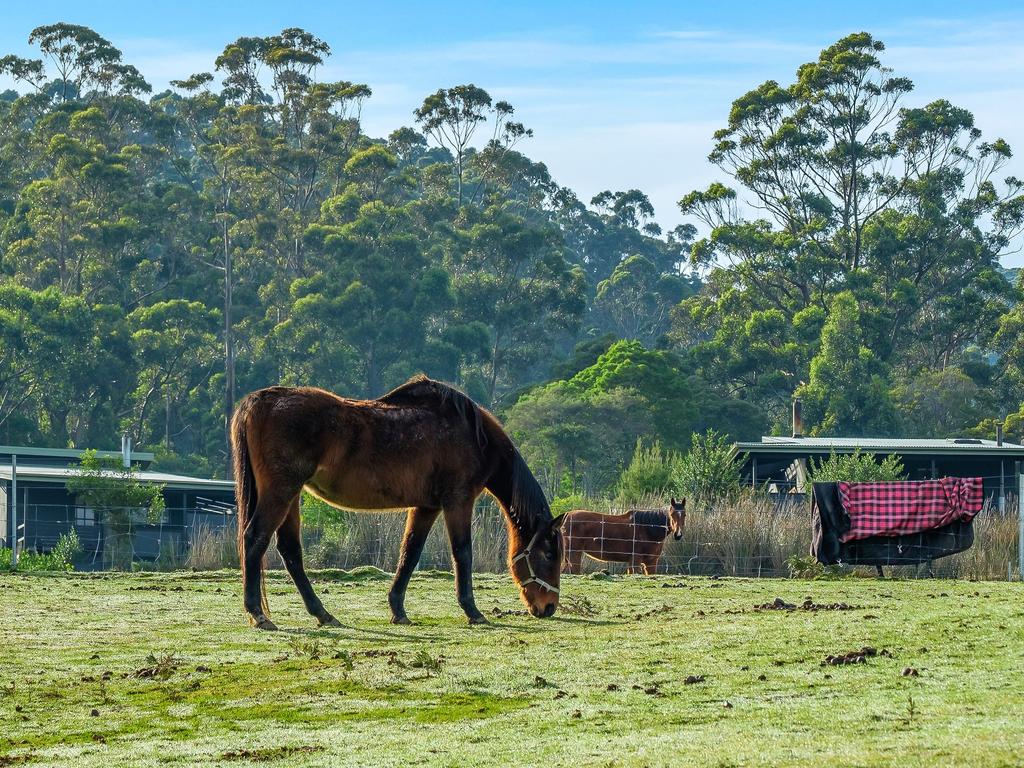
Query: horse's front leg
x,y
418,523
289,544
458,519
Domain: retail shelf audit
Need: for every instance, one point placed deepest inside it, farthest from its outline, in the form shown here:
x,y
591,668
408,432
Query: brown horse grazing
x,y
635,537
424,447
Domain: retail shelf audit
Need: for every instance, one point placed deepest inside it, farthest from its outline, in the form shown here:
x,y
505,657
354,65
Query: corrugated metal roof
x,y
156,478
770,443
67,453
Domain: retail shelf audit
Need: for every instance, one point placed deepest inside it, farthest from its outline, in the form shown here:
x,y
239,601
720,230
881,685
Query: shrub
x,y
856,467
568,503
650,473
60,558
710,471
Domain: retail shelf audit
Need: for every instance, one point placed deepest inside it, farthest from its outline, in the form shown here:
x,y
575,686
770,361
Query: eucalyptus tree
x,y
174,343
361,323
853,191
511,275
452,117
265,162
85,64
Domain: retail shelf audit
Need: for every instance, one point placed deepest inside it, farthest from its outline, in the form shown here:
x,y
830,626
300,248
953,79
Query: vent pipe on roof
x,y
798,422
999,434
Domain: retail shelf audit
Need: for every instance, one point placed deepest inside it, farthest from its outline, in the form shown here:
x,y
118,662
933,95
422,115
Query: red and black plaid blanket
x,y
897,508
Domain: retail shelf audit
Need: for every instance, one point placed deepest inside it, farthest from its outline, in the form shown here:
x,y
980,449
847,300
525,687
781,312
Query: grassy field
x,y
161,669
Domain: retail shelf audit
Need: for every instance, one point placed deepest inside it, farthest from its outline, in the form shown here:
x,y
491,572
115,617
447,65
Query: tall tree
x,y
856,192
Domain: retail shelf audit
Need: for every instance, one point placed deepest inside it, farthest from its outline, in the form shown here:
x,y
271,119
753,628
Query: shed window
x,y
85,516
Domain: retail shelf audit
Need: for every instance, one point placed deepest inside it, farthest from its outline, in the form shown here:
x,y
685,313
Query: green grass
x,y
161,669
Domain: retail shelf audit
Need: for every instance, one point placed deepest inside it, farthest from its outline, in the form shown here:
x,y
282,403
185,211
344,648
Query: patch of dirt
x,y
15,759
855,657
270,753
501,613
693,679
778,604
654,689
160,667
665,608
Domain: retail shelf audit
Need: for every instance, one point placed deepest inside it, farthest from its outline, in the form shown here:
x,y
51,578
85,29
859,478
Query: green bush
x,y
568,503
318,513
650,473
710,471
60,558
856,467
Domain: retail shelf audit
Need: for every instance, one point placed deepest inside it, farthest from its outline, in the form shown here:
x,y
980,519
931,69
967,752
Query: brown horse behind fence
x,y
424,447
635,537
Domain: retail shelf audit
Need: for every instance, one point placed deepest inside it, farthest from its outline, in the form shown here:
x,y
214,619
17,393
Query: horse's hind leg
x,y
289,544
270,512
458,519
418,523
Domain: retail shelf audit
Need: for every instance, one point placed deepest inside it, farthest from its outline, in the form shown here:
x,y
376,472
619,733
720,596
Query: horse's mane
x,y
420,390
529,506
651,518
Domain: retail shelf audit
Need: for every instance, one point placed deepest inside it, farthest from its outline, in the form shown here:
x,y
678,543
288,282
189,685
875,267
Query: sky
x,y
620,95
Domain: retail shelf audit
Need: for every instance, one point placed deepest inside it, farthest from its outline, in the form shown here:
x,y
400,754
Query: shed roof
x,y
903,446
67,453
177,482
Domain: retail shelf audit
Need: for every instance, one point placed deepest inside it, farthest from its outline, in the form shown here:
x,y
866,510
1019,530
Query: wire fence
x,y
757,535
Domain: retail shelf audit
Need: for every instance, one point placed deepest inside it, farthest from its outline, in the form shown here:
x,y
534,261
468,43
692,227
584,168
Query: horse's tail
x,y
245,490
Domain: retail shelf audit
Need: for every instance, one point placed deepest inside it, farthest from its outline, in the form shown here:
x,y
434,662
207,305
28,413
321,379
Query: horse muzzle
x,y
543,613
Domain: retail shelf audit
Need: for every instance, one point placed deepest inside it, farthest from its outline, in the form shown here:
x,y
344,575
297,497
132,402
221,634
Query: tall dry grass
x,y
753,535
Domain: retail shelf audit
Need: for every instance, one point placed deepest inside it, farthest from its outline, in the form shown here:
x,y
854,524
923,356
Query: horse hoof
x,y
400,620
478,620
266,624
329,621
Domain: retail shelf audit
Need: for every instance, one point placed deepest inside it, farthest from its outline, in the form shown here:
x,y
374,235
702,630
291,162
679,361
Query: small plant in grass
x,y
809,568
311,649
911,711
159,667
577,605
346,659
423,660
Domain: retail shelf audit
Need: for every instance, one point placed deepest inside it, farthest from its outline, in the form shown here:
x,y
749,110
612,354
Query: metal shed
x,y
783,460
36,507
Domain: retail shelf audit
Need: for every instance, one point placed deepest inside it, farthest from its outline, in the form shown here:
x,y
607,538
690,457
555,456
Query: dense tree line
x,y
162,253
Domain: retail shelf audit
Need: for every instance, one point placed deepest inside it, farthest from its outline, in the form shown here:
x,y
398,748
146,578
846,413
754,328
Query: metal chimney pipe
x,y
999,434
798,422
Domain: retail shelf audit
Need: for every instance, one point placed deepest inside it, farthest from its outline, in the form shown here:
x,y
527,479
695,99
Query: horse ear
x,y
557,522
672,501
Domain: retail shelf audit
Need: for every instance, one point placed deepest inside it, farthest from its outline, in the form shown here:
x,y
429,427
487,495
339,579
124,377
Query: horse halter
x,y
525,555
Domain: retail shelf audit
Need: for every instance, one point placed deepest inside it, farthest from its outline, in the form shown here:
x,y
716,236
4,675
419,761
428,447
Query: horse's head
x,y
537,567
676,517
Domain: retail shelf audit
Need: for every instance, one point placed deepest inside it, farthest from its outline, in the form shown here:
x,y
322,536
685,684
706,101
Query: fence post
x,y
1020,525
14,511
